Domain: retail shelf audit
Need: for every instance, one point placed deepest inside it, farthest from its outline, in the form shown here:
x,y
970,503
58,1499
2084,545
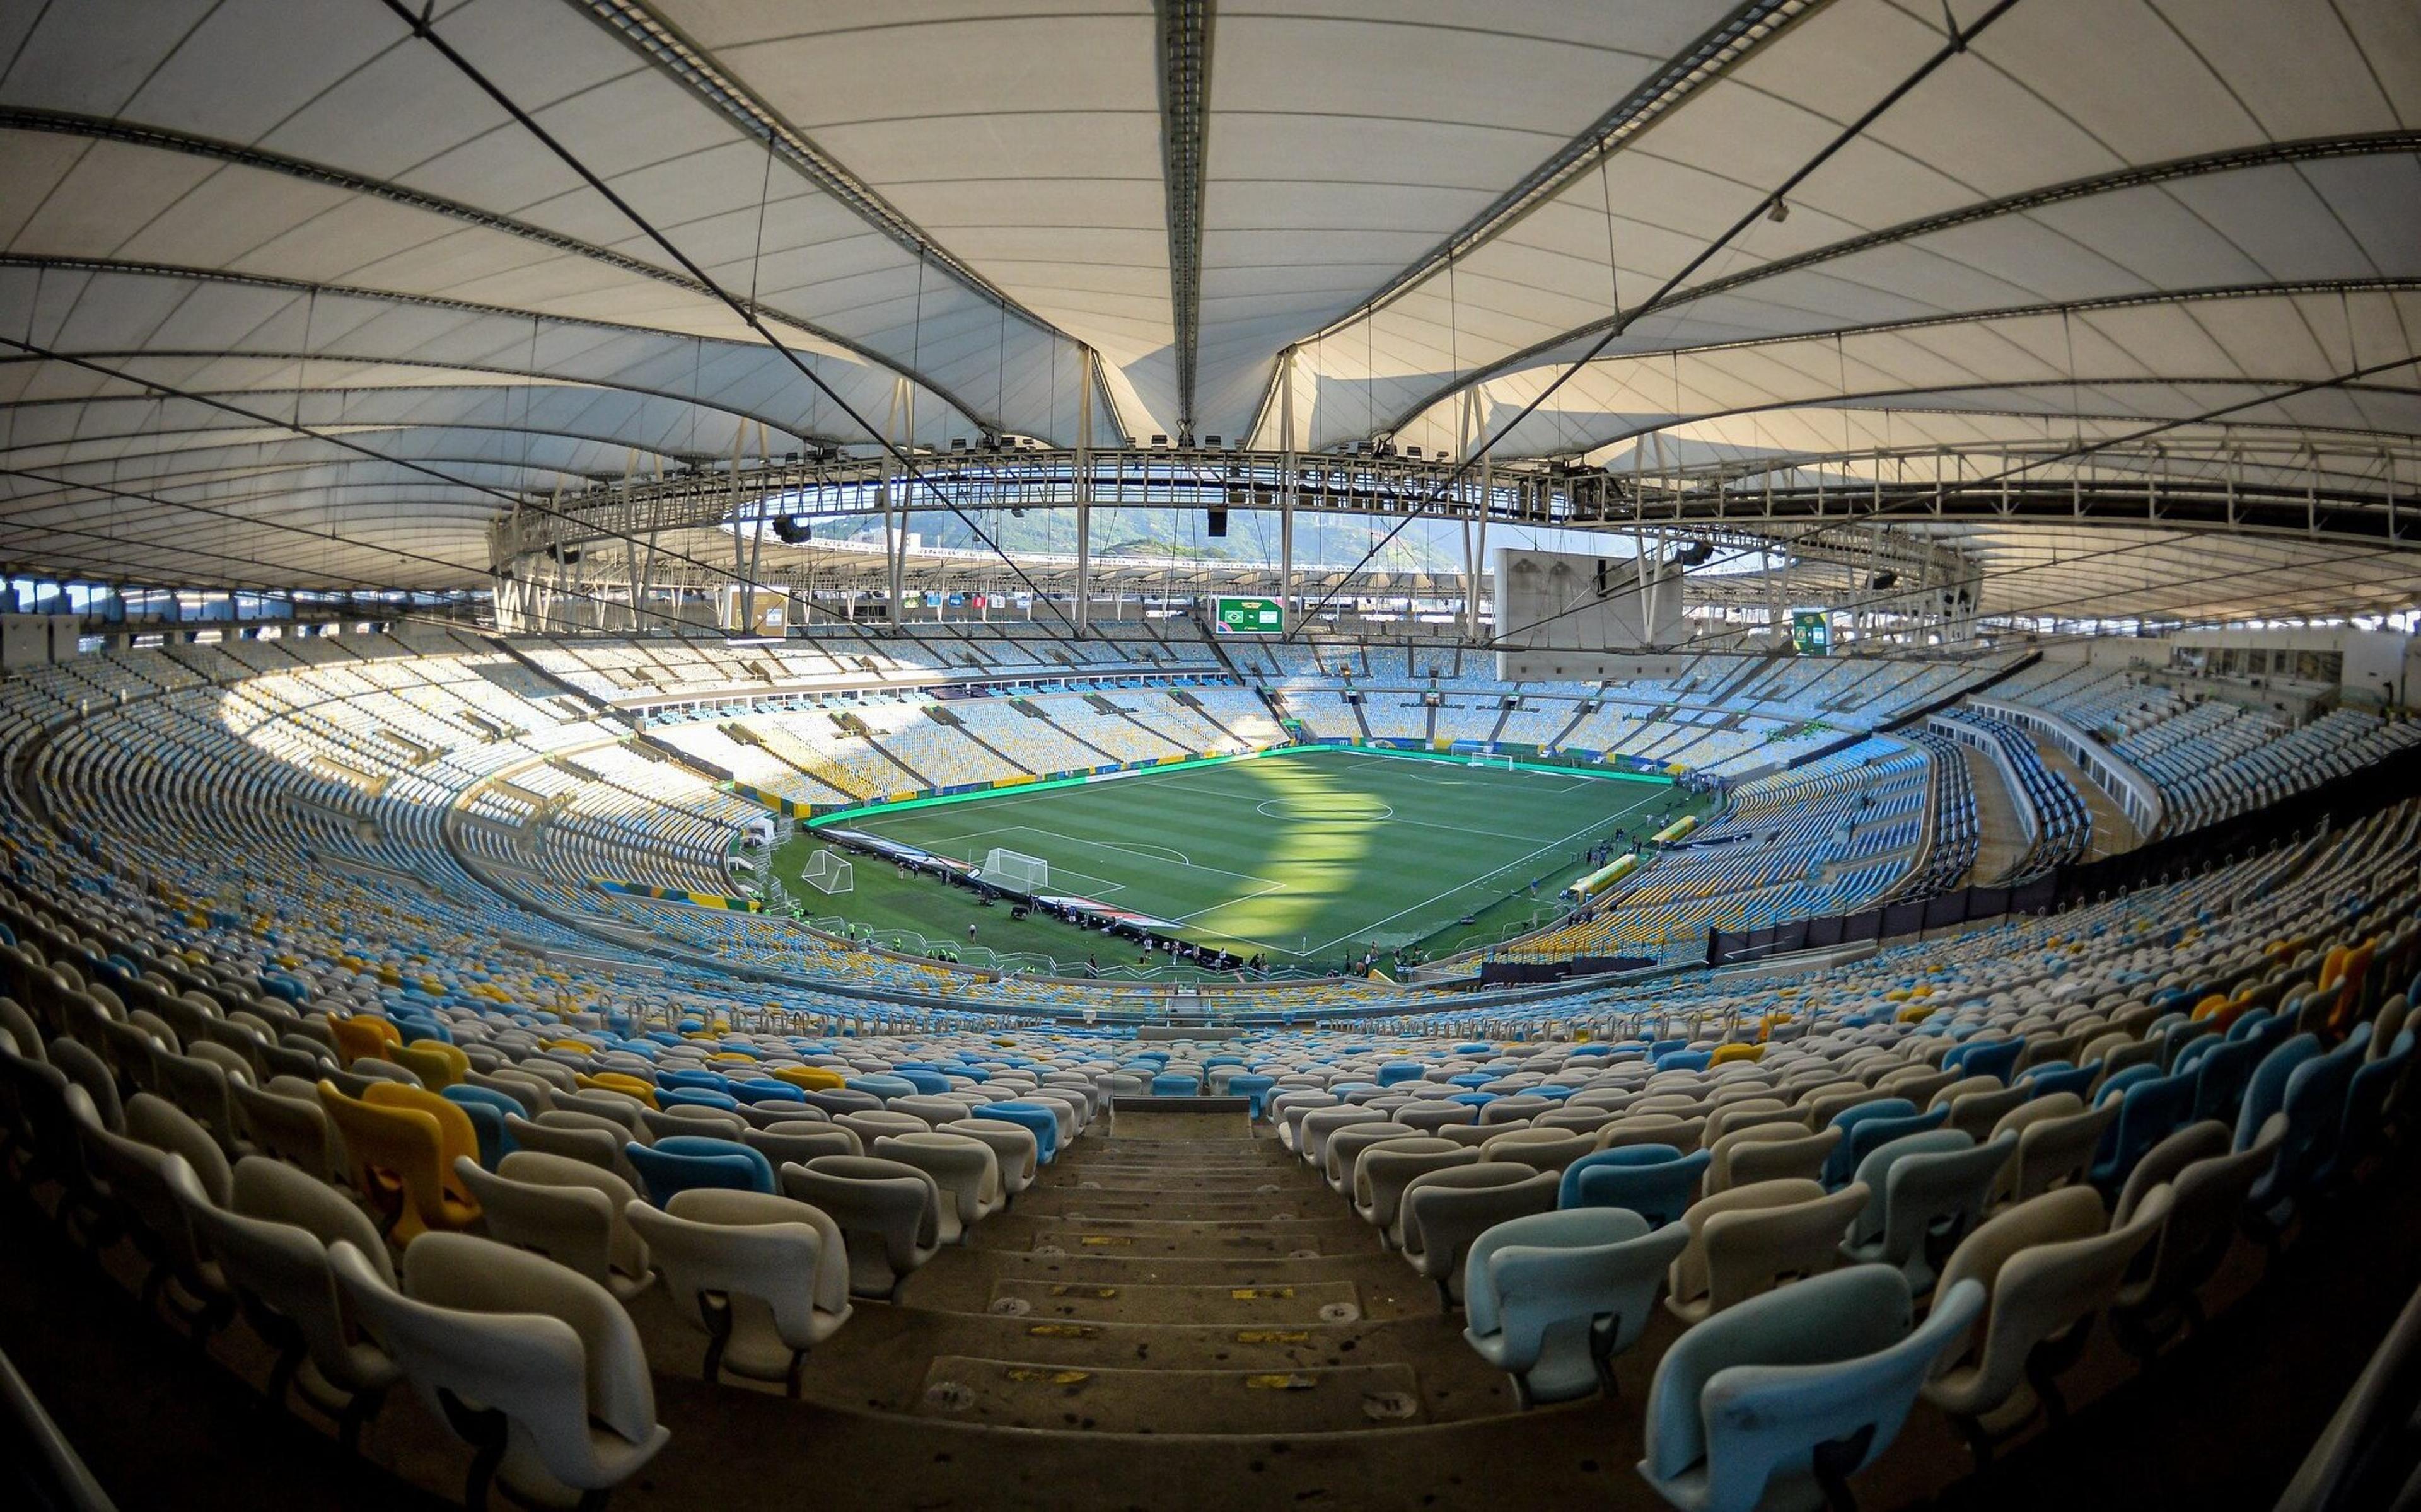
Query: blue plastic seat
x,y
884,1087
2046,1081
2222,1069
1848,1120
2366,1096
2313,1105
691,1097
1395,1071
487,1110
756,1092
1033,1115
1684,1060
2265,1094
682,1077
1256,1088
1867,1135
922,1079
1656,1181
1176,1085
1997,1059
2150,1111
686,1161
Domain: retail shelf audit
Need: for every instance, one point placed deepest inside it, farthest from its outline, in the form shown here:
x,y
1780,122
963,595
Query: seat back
x,y
965,1170
2266,1092
1446,1210
1933,1198
552,1352
889,1214
1585,1279
797,1141
272,1240
1659,1188
289,1130
566,1210
1750,1252
685,1162
768,1276
1770,1152
1745,1399
2056,1152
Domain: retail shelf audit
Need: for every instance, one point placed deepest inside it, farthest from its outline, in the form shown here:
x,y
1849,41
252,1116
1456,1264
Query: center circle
x,y
1306,810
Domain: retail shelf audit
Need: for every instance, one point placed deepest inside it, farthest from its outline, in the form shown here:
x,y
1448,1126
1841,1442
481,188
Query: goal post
x,y
1011,868
1495,763
828,872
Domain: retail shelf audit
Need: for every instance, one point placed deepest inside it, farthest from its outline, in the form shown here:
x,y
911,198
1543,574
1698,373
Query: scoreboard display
x,y
1247,616
1811,632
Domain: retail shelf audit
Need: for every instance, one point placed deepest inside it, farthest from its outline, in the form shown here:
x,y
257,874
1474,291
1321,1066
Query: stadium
x,y
1200,755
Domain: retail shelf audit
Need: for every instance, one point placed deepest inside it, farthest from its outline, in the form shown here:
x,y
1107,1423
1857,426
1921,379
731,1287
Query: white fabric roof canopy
x,y
287,297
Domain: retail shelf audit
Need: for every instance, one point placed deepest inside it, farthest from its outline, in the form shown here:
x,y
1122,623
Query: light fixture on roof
x,y
1781,211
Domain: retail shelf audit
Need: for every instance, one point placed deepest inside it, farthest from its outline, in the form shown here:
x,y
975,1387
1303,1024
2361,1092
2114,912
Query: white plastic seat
x,y
1442,1211
271,1244
965,1170
765,1278
568,1210
1013,1148
530,1362
889,1215
1384,1170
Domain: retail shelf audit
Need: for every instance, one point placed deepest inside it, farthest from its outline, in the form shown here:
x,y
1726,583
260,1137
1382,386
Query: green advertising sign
x,y
1811,632
1247,616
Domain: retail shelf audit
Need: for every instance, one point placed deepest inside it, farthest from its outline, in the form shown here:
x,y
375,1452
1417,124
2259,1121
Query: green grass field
x,y
1307,856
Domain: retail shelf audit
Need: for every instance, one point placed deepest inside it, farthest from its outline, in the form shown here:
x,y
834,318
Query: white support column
x,y
895,512
1081,485
1287,481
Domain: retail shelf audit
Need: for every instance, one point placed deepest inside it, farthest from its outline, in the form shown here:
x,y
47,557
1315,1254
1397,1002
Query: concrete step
x,y
1304,1241
1149,1302
1017,1394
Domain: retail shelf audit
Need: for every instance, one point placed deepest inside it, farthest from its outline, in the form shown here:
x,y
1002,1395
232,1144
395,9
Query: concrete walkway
x,y
2000,839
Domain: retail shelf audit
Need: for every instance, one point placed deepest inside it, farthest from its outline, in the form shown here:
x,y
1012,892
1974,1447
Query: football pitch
x,y
1308,857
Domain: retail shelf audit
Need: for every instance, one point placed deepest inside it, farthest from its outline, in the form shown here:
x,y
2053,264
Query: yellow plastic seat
x,y
1724,1054
619,1082
400,1156
363,1036
437,1064
811,1078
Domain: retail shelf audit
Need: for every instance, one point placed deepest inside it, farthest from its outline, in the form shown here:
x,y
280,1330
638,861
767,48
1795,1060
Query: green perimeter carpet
x,y
1310,856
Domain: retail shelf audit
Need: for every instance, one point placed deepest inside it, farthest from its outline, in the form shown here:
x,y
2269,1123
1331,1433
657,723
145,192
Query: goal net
x,y
827,871
1011,868
1499,763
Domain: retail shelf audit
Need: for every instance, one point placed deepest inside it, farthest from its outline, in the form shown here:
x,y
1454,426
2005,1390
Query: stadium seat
x,y
1442,1212
567,1209
1778,1401
1551,1299
1926,1191
889,1215
1655,1181
765,1278
271,1243
1749,1240
534,1366
2048,1267
965,1171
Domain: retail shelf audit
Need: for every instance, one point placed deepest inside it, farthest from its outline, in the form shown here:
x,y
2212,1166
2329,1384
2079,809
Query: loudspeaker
x,y
1882,580
792,529
1217,526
